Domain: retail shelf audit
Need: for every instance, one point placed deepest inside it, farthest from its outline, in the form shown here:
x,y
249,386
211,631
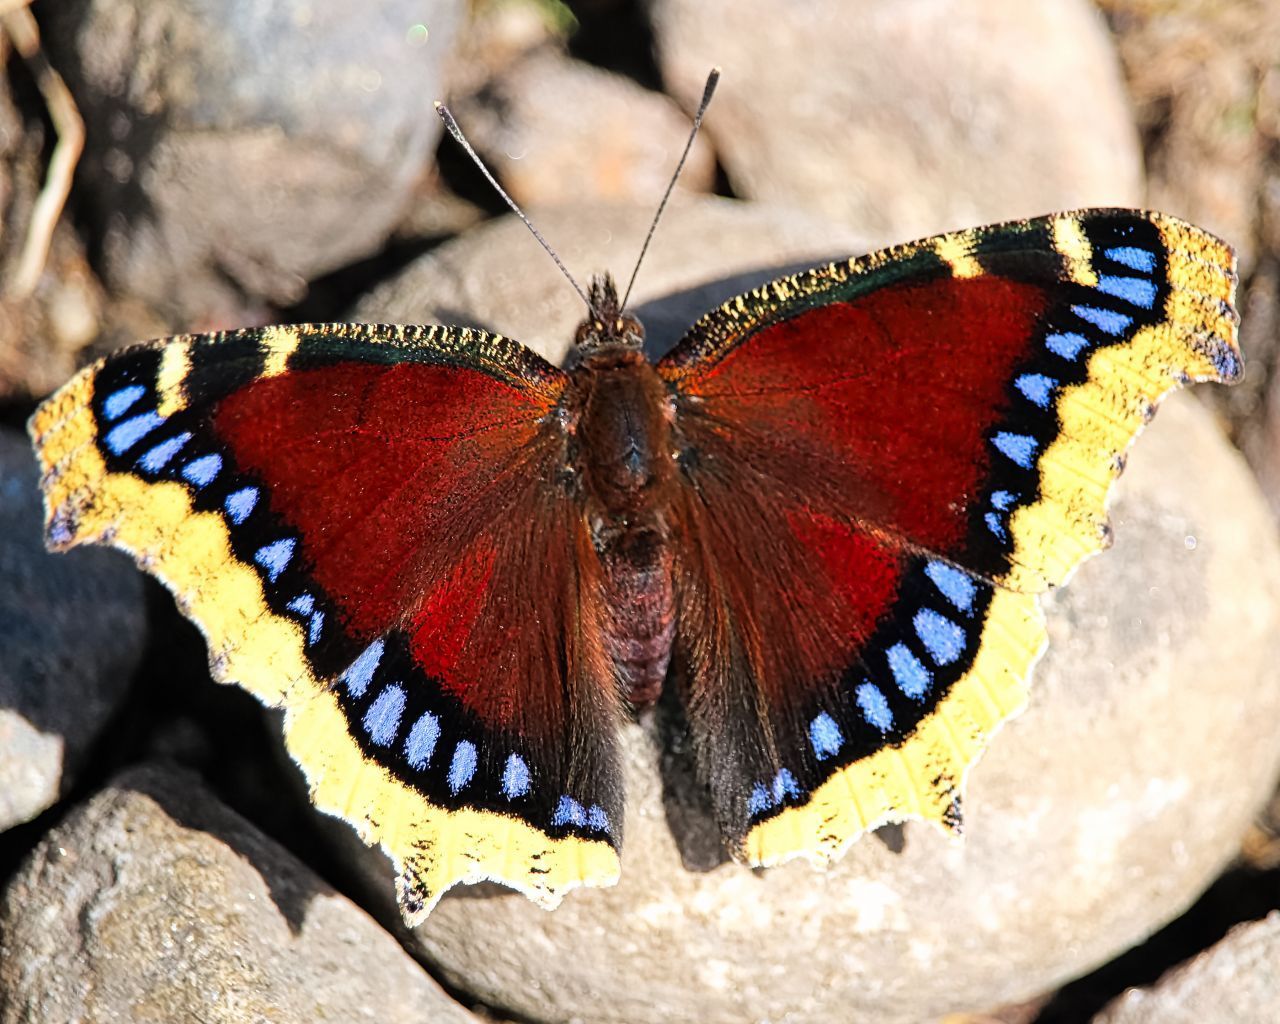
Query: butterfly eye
x,y
599,327
617,325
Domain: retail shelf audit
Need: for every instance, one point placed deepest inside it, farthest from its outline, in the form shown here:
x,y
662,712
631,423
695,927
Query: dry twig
x,y
19,24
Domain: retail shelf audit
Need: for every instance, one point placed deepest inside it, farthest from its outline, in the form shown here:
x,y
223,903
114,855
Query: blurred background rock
x,y
253,161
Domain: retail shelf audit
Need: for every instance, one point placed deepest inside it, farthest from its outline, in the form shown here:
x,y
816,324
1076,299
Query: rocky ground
x,y
278,160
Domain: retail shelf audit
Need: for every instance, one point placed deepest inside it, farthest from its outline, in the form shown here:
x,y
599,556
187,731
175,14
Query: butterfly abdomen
x,y
622,444
640,625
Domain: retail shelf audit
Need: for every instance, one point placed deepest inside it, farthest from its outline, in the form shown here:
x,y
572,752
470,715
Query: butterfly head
x,y
607,323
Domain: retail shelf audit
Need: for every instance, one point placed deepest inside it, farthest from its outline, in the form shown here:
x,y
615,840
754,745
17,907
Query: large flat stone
x,y
154,902
1237,980
909,118
237,149
1096,817
614,142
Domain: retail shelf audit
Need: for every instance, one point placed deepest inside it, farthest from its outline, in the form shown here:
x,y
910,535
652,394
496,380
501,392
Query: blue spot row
x,y
1137,291
945,642
382,724
200,471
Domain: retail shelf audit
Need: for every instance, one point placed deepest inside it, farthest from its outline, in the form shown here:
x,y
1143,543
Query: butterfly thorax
x,y
620,416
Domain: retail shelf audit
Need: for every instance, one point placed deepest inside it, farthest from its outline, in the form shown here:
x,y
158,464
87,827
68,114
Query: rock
x,y
155,902
556,130
236,150
497,277
1236,981
72,631
909,119
1096,817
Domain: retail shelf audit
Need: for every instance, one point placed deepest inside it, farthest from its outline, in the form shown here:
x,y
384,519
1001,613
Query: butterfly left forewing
x,y
916,442
349,514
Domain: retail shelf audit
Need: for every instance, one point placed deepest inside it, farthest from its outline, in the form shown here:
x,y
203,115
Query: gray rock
x,y
153,902
72,629
556,130
1089,823
239,148
909,118
496,276
1238,980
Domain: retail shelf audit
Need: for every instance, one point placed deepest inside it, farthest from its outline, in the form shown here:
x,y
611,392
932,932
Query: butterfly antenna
x,y
452,126
707,92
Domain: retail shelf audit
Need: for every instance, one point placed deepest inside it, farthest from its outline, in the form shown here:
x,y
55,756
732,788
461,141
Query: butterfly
x,y
821,522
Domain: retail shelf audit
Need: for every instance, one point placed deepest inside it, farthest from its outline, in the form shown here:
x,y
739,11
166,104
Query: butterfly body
x,y
619,415
823,519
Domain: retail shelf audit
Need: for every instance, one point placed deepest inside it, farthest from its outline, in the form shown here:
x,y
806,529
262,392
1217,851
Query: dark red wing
x,y
886,460
353,515
886,400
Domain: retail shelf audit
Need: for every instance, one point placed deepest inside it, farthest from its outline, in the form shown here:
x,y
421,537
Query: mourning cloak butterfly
x,y
824,517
